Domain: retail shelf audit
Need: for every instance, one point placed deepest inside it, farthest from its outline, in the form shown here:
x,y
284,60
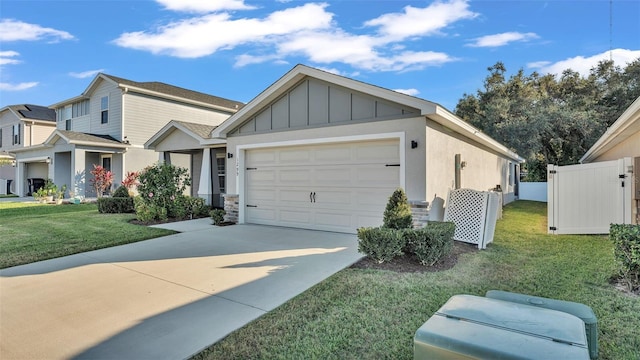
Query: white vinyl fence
x,y
534,191
588,198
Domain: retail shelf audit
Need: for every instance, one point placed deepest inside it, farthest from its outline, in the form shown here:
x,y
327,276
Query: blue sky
x,y
436,50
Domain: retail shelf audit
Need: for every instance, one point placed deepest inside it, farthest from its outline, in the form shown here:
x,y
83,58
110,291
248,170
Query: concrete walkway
x,y
165,298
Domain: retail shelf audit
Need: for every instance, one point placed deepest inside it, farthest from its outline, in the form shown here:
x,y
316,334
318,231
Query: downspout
x,y
123,167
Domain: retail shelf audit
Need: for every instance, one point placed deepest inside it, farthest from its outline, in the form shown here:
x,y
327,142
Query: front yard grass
x,y
373,314
33,232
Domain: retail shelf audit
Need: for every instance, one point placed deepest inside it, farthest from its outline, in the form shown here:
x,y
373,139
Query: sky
x,y
51,50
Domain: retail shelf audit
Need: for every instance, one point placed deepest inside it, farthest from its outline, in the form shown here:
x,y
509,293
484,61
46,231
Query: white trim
x,y
34,159
240,152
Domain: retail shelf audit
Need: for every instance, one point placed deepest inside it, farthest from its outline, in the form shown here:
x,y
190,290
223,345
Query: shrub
x,y
149,212
115,205
102,179
121,192
380,244
397,214
162,185
626,250
430,243
198,207
217,215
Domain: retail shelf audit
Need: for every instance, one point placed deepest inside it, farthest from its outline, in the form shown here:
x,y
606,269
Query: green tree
x,y
549,119
397,214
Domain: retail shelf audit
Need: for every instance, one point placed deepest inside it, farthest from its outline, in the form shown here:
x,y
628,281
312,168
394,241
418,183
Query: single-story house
x,y
321,151
605,187
108,124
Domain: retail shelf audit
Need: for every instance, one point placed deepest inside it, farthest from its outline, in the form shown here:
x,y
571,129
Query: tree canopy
x,y
547,118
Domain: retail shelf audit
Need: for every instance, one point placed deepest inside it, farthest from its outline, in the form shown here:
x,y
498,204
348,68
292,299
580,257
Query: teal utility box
x,y
475,327
582,311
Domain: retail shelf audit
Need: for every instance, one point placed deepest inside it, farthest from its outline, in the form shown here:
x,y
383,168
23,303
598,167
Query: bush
x,y
380,244
430,243
397,214
162,185
121,192
217,215
115,205
626,250
198,207
149,212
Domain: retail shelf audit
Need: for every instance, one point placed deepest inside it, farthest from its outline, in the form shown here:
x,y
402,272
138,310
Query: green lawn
x,y
373,314
32,232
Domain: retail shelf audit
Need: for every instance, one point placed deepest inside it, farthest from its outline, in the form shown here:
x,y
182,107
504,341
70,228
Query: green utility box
x,y
576,309
474,327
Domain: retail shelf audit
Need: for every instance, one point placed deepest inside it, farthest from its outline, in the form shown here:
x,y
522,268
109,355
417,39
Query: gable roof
x,y
427,108
626,125
199,132
33,112
79,138
159,89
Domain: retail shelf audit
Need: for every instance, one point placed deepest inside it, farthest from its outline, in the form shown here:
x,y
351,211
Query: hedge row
x,y
429,244
626,249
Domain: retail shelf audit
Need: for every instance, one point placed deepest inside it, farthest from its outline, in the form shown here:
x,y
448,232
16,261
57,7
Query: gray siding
x,y
314,103
145,116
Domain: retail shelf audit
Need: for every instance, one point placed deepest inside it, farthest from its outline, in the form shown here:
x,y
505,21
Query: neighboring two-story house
x,y
108,125
22,126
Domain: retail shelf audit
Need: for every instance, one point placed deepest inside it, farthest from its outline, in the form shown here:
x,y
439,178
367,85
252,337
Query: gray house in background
x,y
22,126
320,151
108,124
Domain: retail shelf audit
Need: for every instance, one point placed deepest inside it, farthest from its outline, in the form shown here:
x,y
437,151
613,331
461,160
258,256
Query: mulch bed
x,y
410,264
156,222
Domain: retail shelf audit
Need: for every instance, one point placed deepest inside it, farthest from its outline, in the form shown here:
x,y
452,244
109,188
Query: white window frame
x,y
104,108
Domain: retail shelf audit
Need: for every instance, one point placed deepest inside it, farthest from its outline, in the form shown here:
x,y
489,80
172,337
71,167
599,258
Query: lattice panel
x,y
467,209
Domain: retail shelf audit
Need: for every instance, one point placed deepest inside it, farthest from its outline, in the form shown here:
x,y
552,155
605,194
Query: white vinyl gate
x,y
588,198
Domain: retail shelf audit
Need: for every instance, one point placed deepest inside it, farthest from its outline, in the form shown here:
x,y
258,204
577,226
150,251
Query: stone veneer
x,y
419,213
231,207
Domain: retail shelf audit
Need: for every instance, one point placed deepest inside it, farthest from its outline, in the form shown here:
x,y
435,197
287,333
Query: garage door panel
x,y
336,219
295,216
384,176
350,180
261,177
295,156
294,176
261,214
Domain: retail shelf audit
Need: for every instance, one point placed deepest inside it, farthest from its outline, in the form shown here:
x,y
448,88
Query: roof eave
x,y
298,73
140,90
451,121
611,136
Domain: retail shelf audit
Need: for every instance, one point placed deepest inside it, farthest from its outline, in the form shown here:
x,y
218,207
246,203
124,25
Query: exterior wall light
x,y
414,144
229,155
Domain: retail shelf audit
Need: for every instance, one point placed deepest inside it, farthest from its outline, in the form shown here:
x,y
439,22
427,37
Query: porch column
x,y
79,173
19,179
205,188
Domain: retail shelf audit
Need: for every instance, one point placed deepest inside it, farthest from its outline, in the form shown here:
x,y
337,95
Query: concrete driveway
x,y
165,298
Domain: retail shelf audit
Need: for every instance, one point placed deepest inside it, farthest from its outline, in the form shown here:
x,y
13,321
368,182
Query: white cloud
x,y
205,35
307,31
412,92
422,21
583,65
14,30
17,87
204,6
85,74
7,57
502,39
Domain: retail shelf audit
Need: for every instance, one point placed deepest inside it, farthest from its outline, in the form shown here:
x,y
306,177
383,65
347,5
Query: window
x,y
106,163
67,124
80,109
220,164
104,110
16,134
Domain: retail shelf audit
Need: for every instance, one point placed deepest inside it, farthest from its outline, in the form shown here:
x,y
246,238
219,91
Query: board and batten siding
x,y
314,103
145,116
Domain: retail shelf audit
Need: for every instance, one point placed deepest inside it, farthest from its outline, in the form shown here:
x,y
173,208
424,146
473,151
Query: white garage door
x,y
335,187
